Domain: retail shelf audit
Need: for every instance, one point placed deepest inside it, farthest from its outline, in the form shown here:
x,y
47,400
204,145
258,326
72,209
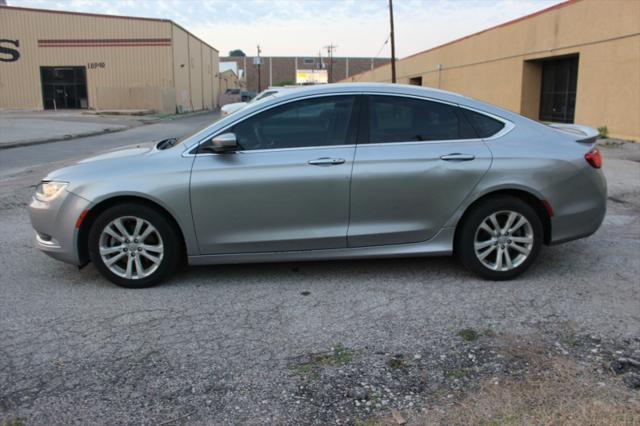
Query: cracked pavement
x,y
215,344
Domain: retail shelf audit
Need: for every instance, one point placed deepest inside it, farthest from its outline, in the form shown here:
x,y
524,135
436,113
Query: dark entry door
x,y
558,96
64,87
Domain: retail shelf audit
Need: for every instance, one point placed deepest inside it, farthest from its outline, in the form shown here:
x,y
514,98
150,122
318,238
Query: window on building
x,y
416,81
308,61
310,122
558,91
400,119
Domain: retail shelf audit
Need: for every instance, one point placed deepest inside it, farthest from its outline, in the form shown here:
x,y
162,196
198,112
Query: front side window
x,y
400,119
311,122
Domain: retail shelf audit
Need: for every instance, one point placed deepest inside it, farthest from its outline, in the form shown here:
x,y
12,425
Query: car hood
x,y
104,164
126,151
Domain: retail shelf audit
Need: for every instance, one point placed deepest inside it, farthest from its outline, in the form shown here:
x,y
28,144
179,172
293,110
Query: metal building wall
x,y
132,55
131,63
195,67
195,50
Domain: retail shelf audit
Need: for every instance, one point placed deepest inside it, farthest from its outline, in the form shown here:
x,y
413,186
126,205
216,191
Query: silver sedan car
x,y
339,171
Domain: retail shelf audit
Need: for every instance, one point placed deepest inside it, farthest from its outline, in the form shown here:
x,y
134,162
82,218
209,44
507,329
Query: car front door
x,y
286,188
422,159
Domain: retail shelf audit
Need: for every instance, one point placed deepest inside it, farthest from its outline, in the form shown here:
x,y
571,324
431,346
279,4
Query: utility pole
x,y
393,44
258,63
330,48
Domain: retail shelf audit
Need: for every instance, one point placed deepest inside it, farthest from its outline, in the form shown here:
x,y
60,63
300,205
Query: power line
x,y
382,47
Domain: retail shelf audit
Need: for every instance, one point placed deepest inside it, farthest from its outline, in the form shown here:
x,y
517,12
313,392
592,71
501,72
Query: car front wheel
x,y
500,238
133,245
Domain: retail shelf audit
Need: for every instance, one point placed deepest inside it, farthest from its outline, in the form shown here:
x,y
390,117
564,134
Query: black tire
x,y
465,243
171,242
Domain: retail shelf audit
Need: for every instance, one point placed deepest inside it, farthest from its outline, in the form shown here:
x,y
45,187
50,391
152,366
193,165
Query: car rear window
x,y
484,126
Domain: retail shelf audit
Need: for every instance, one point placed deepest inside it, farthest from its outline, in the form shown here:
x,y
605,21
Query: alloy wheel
x,y
504,240
131,247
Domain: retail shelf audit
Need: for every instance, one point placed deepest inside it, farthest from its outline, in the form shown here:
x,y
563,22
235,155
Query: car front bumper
x,y
55,225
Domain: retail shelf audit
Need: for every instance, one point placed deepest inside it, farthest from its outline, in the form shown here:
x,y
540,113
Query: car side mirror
x,y
225,142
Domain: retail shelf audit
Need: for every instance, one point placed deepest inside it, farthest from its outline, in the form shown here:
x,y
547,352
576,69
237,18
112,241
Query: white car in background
x,y
236,106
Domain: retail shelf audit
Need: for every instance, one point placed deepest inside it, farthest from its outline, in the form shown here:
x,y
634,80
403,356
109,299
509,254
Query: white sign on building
x,y
311,76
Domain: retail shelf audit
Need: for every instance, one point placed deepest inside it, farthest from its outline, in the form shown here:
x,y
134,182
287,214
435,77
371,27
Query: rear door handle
x,y
326,161
456,156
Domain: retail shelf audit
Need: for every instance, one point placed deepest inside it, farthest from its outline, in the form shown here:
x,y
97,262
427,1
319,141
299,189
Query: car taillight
x,y
594,158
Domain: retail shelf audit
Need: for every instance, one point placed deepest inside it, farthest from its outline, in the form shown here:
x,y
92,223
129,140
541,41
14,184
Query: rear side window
x,y
400,119
483,125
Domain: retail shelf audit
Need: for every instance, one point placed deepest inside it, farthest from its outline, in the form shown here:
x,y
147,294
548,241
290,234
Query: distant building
x,y
578,61
54,59
229,80
276,70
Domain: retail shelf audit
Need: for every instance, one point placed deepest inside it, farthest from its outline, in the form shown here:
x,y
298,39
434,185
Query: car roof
x,y
393,89
375,88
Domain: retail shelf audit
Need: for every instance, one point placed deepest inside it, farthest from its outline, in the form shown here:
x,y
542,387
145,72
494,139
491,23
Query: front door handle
x,y
326,161
456,156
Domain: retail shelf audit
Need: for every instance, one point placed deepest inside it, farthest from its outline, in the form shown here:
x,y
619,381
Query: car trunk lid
x,y
577,132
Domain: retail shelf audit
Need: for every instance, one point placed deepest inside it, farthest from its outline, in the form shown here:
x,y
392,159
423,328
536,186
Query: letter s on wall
x,y
14,54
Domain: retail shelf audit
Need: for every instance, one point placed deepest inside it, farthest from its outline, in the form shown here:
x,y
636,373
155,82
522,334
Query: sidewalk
x,y
22,128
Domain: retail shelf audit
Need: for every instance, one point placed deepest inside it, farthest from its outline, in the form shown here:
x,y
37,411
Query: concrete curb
x,y
141,122
19,144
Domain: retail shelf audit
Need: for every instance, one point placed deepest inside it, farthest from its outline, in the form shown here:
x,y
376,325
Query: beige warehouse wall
x,y
195,65
207,78
132,76
215,82
491,66
195,50
181,68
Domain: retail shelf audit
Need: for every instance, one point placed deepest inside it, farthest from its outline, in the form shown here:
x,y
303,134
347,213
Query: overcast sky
x,y
302,27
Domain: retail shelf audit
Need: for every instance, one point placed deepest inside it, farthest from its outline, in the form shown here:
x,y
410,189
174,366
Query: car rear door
x,y
420,161
287,188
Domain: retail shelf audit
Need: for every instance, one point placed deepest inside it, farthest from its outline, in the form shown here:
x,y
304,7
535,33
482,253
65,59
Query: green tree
x,y
236,52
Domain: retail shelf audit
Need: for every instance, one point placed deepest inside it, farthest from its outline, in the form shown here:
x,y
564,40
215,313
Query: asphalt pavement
x,y
232,344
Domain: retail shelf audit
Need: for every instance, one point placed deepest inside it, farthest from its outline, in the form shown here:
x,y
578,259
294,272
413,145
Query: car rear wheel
x,y
134,246
500,238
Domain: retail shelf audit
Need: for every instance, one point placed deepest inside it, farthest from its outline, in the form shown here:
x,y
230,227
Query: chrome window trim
x,y
508,125
299,148
433,142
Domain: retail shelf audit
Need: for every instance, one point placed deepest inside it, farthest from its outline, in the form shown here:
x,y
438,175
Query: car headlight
x,y
47,191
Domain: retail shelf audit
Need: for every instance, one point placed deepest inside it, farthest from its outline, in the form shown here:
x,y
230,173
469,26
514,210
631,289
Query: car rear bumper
x,y
55,225
584,215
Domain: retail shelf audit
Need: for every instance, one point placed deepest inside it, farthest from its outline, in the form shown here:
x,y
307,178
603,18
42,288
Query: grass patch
x,y
572,341
468,334
456,374
603,132
396,362
16,421
555,391
367,422
489,333
339,355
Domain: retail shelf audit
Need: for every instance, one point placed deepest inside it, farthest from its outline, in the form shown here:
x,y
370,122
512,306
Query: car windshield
x,y
263,95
